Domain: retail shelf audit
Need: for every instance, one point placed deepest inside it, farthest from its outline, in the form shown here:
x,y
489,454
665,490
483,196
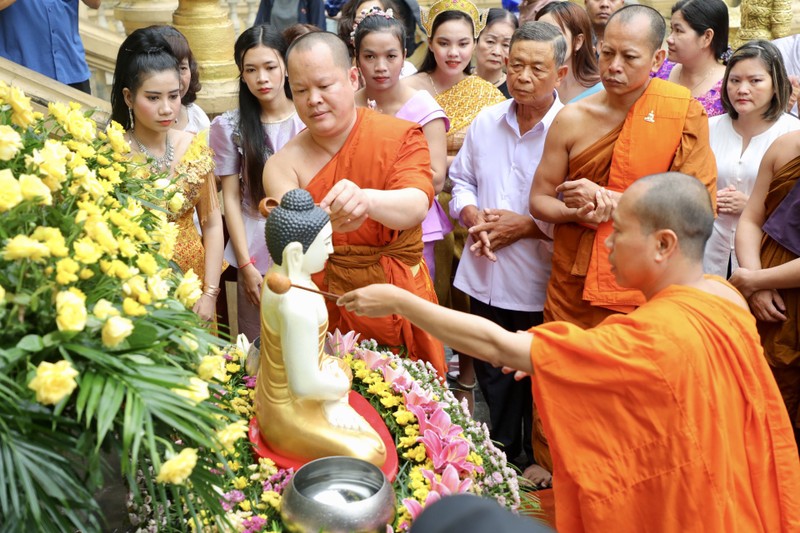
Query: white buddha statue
x,y
302,394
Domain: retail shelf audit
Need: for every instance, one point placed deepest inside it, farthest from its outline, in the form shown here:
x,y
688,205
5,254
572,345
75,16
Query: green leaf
x,y
113,393
31,343
143,334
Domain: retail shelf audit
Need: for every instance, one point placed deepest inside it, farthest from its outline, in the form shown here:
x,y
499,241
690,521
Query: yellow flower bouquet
x,y
100,355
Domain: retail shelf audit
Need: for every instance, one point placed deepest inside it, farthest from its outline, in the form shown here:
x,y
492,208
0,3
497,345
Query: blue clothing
x,y
332,7
596,88
511,5
42,35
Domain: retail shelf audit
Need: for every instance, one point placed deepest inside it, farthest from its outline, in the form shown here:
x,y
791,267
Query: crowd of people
x,y
503,185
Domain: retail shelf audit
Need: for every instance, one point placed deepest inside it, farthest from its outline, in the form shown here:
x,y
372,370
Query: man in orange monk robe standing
x,y
604,142
372,173
666,419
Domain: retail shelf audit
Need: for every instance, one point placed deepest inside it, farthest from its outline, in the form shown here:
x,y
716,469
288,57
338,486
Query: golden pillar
x,y
210,34
764,19
135,14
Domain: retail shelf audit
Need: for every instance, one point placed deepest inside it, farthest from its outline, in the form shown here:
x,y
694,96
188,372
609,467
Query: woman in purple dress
x,y
698,46
242,140
378,40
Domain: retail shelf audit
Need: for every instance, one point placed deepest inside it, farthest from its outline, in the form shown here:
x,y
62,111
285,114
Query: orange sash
x,y
650,137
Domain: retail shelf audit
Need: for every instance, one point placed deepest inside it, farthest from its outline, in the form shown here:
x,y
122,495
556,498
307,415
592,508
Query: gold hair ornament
x,y
478,17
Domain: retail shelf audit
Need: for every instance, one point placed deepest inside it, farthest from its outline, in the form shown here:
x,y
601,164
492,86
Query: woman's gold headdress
x,y
478,16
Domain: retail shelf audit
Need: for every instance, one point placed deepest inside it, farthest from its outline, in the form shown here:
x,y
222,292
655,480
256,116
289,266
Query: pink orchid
x,y
340,345
444,453
416,395
398,378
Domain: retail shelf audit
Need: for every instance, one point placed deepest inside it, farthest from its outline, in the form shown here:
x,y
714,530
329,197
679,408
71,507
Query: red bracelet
x,y
251,262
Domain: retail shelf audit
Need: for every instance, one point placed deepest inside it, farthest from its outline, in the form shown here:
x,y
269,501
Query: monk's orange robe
x,y
781,340
666,420
666,129
384,153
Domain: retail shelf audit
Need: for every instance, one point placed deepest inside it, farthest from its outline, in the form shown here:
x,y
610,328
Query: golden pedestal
x,y
135,14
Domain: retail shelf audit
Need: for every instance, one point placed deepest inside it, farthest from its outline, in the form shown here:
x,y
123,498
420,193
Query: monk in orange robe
x,y
372,173
662,420
768,248
636,127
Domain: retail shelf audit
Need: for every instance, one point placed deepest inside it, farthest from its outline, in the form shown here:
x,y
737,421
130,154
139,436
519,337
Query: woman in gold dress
x,y
453,27
146,100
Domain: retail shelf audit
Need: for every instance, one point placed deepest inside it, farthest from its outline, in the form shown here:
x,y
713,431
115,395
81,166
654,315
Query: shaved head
x,y
676,202
657,27
331,41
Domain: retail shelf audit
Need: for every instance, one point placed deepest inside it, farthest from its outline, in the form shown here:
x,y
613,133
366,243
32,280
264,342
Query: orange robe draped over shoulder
x,y
664,420
666,129
385,153
781,340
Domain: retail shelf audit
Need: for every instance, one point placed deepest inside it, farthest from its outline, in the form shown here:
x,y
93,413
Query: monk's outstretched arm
x,y
463,332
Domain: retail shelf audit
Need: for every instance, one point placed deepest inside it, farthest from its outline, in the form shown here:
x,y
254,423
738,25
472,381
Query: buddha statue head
x,y
298,234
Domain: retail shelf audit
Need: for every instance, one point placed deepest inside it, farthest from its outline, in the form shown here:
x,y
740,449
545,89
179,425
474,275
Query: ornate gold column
x,y
136,14
210,34
764,19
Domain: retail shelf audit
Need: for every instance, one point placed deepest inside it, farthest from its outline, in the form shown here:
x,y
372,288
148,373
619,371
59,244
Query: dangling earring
x,y
130,116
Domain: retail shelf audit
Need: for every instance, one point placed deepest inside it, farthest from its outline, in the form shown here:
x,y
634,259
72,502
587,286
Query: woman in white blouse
x,y
756,91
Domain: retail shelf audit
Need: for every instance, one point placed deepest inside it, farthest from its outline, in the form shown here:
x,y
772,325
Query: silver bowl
x,y
338,494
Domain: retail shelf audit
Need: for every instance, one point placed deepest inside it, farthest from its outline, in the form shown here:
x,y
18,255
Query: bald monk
x,y
372,173
666,419
636,127
768,246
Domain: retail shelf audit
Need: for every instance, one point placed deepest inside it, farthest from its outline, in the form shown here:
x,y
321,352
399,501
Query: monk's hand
x,y
730,201
578,193
502,228
745,280
767,305
599,211
347,204
379,299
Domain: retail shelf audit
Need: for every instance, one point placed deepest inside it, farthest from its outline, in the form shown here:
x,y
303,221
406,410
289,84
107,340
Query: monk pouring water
x,y
665,419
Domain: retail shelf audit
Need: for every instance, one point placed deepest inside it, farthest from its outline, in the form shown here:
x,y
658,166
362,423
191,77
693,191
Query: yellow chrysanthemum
x,y
104,309
416,454
229,435
178,469
271,498
81,128
147,264
10,143
53,382
116,137
86,251
71,310
158,287
196,392
51,161
212,367
21,109
133,308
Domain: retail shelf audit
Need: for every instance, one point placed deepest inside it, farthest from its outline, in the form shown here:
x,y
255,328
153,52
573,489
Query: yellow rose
x,y
34,188
158,287
66,270
147,264
115,330
178,469
126,247
21,110
51,161
71,310
98,230
189,289
10,190
58,110
228,435
53,382
2,295
53,239
212,367
104,309
86,251
176,202
197,391
10,143
80,127
23,247
165,236
137,288
133,308
116,137
86,273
